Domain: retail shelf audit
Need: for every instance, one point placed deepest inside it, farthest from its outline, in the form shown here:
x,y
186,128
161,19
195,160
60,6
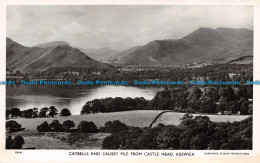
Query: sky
x,y
117,27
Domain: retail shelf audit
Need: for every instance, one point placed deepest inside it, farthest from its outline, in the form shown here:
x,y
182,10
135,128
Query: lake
x,y
73,97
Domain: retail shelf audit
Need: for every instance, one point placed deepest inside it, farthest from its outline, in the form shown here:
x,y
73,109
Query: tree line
x,y
34,113
210,72
212,99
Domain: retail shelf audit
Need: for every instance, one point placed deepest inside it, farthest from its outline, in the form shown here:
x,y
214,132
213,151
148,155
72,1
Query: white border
x,y
58,155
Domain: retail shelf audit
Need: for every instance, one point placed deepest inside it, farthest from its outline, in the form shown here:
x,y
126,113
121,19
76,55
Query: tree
x,y
7,113
199,141
12,126
65,112
8,142
18,142
111,142
195,93
44,127
68,124
35,113
169,138
187,120
27,113
115,126
15,143
87,127
52,111
43,112
15,112
55,126
86,109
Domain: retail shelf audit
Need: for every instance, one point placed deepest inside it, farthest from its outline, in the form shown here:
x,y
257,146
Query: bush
x,y
65,112
12,126
15,143
115,126
87,127
44,127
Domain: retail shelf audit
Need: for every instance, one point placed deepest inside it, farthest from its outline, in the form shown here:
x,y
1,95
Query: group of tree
x,y
67,126
83,127
198,133
56,126
210,72
114,105
34,113
211,99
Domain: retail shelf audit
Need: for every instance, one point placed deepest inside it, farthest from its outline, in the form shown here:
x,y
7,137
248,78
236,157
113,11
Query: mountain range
x,y
204,45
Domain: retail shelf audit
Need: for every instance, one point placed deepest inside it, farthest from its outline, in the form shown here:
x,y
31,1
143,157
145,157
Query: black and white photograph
x,y
129,77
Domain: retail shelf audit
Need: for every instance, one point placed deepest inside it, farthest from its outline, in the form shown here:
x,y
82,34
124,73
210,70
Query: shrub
x,y
44,127
87,127
12,126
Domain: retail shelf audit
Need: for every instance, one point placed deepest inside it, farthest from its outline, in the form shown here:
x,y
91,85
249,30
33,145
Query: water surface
x,y
73,97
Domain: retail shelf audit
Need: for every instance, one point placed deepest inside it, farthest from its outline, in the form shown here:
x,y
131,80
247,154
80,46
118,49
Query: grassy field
x,y
62,140
138,118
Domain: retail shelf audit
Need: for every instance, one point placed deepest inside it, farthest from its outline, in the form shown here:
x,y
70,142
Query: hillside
x,y
51,44
203,45
102,54
28,59
124,53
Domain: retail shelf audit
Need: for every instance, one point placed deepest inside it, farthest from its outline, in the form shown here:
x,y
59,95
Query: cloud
x,y
73,29
118,27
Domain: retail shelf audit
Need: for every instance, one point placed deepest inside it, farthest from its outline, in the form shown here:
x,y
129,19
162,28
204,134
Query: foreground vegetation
x,y
62,133
193,133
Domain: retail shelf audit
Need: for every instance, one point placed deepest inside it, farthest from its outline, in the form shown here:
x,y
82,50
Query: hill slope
x,y
203,45
53,43
28,59
103,54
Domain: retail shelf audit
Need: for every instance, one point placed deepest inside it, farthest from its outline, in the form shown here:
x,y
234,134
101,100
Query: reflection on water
x,y
73,98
